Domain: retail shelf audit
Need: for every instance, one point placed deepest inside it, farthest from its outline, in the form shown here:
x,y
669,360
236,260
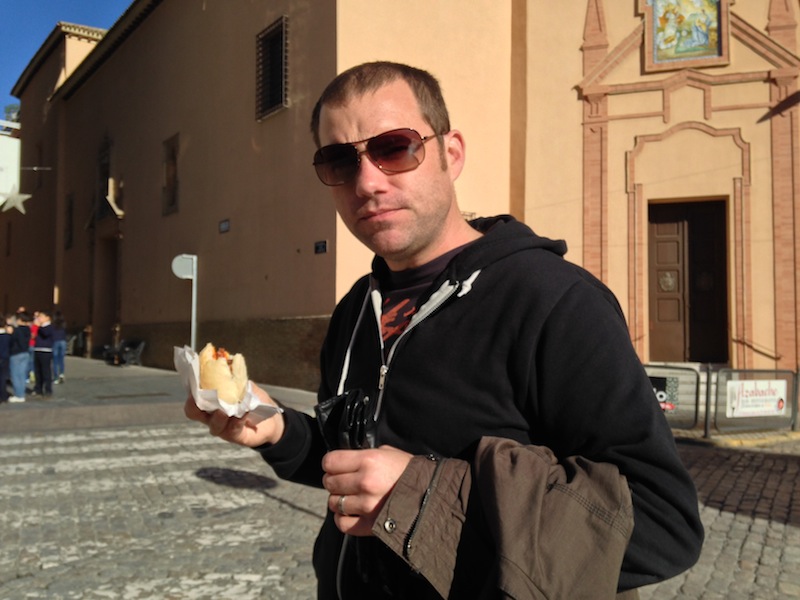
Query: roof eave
x,y
48,47
116,36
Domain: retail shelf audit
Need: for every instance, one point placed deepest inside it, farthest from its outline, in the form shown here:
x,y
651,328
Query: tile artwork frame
x,y
681,34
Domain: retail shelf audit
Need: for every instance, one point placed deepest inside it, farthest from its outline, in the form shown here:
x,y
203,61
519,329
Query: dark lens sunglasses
x,y
395,151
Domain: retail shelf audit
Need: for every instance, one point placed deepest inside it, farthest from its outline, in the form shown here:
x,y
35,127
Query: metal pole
x,y
184,266
194,302
707,425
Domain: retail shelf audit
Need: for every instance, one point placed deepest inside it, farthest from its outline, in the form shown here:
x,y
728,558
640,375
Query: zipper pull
x,y
382,377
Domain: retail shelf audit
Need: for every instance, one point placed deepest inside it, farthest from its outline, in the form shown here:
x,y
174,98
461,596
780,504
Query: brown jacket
x,y
558,530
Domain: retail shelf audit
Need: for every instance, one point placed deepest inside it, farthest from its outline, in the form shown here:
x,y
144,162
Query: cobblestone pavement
x,y
106,491
750,507
156,512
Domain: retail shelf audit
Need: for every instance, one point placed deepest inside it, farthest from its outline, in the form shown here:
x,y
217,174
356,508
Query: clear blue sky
x,y
25,25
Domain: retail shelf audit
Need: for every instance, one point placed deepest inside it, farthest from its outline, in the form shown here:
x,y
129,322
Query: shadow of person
x,y
236,479
245,480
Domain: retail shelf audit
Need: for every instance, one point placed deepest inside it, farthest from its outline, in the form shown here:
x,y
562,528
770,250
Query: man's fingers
x,y
192,412
342,461
355,526
342,504
219,422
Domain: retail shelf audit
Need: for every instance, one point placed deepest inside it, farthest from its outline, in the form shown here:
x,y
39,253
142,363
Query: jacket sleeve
x,y
552,530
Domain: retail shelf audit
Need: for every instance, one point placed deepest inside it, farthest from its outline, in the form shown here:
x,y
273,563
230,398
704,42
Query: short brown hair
x,y
369,77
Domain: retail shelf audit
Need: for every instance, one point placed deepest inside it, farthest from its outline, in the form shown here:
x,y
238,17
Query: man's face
x,y
402,217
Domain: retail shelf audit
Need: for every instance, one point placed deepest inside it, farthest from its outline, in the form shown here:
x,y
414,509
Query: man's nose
x,y
369,177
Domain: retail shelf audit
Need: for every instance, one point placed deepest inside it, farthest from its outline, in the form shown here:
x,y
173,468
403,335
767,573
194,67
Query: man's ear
x,y
454,152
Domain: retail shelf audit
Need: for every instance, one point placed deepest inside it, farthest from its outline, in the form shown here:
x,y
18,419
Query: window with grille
x,y
272,66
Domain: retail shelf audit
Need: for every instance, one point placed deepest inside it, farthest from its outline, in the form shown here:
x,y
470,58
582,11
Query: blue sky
x,y
25,25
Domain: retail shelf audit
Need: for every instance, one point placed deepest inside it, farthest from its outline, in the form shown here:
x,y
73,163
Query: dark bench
x,y
131,353
128,352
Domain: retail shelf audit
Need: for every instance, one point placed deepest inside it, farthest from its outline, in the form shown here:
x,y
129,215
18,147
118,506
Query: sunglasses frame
x,y
415,137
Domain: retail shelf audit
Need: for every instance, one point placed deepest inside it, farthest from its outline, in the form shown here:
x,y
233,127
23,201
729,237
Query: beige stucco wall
x,y
554,191
469,52
682,167
162,83
76,48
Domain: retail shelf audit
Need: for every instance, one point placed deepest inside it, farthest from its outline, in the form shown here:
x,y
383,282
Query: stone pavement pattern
x,y
750,507
156,512
106,491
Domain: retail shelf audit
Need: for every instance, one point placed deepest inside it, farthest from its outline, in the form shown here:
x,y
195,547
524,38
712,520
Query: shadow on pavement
x,y
246,480
236,479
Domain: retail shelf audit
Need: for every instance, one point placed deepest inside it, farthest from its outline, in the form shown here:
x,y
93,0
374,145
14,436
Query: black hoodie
x,y
510,341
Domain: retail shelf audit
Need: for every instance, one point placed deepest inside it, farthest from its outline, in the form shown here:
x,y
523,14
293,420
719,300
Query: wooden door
x,y
688,282
667,283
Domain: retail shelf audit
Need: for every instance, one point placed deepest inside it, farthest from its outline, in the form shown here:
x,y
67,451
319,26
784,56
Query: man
x,y
485,428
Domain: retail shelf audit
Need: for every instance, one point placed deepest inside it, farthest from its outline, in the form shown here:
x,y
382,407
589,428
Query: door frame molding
x,y
741,317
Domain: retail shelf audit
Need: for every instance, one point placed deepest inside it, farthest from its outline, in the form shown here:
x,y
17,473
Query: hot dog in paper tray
x,y
217,380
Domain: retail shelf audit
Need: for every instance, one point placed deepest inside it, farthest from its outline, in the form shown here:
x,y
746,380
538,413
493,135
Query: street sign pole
x,y
184,266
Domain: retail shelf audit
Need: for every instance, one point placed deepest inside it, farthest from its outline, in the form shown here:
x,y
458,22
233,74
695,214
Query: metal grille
x,y
272,68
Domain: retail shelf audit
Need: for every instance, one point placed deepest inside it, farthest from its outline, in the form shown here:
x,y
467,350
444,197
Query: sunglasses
x,y
395,151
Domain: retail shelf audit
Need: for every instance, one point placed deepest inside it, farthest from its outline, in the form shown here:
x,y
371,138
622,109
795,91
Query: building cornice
x,y
107,41
114,38
60,31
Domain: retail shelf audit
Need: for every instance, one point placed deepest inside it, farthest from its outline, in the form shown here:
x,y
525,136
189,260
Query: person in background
x,y
59,346
5,347
34,325
19,355
43,355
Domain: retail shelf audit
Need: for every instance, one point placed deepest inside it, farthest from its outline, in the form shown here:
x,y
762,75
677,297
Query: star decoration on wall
x,y
13,199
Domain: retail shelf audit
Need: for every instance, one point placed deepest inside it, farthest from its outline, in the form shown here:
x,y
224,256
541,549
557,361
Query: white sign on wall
x,y
765,398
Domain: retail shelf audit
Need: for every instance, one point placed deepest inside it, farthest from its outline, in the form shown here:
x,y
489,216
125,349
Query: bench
x,y
128,352
131,353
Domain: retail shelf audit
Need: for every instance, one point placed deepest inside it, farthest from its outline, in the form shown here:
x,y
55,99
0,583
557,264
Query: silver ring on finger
x,y
340,506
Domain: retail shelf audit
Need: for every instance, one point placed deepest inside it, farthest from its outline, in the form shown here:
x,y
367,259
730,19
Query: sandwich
x,y
224,372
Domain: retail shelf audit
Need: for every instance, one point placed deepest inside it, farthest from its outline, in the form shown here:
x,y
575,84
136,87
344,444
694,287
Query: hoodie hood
x,y
503,235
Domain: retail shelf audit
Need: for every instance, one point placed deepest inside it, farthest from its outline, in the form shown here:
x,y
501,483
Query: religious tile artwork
x,y
685,34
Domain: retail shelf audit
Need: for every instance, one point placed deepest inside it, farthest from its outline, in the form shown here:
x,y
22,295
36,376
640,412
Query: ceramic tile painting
x,y
685,33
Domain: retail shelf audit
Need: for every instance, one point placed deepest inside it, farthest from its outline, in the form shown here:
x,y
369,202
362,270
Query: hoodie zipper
x,y
442,295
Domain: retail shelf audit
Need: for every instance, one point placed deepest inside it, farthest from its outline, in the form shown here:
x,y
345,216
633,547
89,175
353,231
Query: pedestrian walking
x,y
59,346
43,355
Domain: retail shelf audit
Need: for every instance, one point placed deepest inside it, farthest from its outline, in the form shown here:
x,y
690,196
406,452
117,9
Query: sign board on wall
x,y
765,398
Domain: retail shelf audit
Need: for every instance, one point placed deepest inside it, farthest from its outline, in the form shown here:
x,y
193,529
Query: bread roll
x,y
223,372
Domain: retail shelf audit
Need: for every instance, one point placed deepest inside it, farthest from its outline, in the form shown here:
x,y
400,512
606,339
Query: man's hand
x,y
245,431
365,478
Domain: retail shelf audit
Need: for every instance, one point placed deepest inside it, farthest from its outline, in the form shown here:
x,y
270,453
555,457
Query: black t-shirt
x,y
401,291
